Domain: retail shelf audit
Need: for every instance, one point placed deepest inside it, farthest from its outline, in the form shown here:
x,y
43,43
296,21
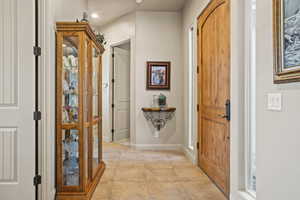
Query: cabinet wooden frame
x,y
95,120
85,122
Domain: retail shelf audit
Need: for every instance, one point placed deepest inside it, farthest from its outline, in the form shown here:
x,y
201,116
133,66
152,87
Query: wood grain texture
x,y
79,26
214,87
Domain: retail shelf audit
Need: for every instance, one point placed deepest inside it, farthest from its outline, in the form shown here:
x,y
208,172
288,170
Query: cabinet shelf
x,y
69,126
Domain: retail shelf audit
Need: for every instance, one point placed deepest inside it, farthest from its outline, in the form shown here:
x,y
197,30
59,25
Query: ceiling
x,y
109,10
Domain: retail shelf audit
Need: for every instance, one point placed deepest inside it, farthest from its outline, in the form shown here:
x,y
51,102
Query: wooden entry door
x,y
214,92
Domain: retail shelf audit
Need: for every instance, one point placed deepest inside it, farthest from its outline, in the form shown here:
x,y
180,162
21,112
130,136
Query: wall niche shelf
x,y
79,164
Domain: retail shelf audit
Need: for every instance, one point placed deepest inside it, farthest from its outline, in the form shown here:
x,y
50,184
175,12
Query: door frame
x,y
238,18
132,87
240,51
47,99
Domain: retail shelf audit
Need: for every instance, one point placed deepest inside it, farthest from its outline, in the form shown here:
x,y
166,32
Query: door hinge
x,y
112,130
37,115
112,105
197,145
113,80
197,69
198,107
37,180
37,51
113,55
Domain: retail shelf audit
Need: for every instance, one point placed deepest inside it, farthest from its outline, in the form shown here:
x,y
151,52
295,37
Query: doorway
x,y
121,93
214,92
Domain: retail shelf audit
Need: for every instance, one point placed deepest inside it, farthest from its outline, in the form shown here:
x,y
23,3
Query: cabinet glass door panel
x,y
86,151
70,79
86,82
95,148
87,105
95,79
70,157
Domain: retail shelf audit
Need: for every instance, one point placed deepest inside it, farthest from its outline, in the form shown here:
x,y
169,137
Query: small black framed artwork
x,y
158,75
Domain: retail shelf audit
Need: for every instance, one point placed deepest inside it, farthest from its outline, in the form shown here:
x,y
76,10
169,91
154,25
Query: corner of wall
x,y
189,154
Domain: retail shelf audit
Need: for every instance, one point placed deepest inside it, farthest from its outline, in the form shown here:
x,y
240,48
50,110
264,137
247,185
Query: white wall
x,y
159,38
191,11
116,32
70,10
277,132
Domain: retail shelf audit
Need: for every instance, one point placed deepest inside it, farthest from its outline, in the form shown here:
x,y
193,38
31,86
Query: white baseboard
x,y
240,195
52,195
107,139
158,146
189,155
121,136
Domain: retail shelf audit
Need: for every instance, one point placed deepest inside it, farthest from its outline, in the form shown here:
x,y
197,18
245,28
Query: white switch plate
x,y
275,101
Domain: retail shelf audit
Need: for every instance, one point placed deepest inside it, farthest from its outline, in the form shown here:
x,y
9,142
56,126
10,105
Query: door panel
x,y
122,93
17,145
214,87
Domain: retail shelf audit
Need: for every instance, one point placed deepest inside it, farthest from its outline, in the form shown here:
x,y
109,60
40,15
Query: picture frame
x,y
286,24
158,75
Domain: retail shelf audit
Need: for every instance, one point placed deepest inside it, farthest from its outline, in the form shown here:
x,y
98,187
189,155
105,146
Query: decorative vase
x,y
162,100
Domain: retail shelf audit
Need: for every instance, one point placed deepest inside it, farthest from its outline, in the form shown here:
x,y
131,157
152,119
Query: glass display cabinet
x,y
79,164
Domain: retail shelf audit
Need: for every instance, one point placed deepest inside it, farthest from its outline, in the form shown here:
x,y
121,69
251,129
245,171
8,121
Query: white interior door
x,y
121,93
17,146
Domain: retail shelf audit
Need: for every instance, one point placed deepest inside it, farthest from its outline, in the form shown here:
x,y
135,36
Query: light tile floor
x,y
152,175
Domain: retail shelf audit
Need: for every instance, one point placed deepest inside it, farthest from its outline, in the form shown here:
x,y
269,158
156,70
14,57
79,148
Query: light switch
x,y
275,101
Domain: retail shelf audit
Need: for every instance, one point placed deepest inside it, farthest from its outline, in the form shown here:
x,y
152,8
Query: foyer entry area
x,y
152,175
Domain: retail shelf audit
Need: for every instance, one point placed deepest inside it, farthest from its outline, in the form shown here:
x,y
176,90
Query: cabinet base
x,y
82,195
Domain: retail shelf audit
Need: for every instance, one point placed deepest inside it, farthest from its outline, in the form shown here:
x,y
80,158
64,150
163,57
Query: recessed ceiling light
x,y
94,15
139,1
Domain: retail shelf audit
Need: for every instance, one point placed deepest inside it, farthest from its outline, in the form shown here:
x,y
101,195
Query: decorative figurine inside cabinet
x,y
79,164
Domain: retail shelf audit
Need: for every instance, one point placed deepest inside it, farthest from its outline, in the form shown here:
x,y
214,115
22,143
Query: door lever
x,y
227,107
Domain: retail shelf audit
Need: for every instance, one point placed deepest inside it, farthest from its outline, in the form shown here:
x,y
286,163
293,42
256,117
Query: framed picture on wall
x,y
158,75
286,25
